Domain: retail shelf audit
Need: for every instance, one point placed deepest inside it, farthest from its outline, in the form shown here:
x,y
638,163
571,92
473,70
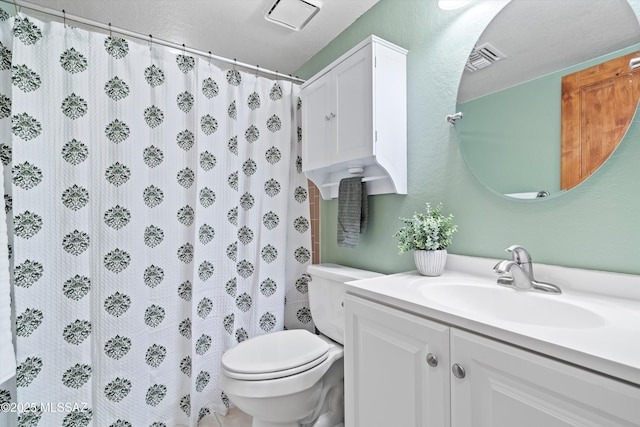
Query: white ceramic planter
x,y
430,263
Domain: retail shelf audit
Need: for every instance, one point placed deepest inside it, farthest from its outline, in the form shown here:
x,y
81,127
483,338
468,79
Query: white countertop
x,y
610,346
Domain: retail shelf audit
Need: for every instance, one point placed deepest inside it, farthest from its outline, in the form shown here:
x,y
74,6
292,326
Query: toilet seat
x,y
283,386
275,355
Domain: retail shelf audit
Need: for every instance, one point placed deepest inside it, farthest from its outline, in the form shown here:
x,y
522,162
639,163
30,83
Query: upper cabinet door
x,y
319,150
396,368
504,386
338,113
354,106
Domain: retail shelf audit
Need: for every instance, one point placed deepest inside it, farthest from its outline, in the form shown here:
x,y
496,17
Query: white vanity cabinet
x,y
477,381
354,116
388,381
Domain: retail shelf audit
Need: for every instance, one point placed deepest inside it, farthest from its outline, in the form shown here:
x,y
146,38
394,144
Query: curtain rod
x,y
108,27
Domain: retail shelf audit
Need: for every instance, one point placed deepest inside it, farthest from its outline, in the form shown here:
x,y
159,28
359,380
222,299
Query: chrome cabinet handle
x,y
432,360
332,115
327,118
458,371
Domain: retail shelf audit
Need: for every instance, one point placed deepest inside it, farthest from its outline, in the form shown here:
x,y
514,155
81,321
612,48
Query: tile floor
x,y
234,418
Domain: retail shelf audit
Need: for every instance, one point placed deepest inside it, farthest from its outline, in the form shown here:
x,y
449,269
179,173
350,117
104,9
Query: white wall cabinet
x,y
354,116
477,382
337,114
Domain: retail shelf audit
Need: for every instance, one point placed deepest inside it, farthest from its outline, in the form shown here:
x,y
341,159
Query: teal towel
x,y
352,211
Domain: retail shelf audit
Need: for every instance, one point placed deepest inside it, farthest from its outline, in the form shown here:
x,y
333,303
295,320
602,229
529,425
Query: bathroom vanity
x,y
459,350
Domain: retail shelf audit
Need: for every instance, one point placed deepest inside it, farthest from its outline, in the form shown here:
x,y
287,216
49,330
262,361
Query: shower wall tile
x,y
314,206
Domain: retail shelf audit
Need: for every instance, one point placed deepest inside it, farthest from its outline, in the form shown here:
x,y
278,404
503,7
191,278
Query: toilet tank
x,y
326,296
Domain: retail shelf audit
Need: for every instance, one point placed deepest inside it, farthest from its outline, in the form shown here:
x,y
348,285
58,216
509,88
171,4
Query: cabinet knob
x,y
332,115
432,360
327,118
458,371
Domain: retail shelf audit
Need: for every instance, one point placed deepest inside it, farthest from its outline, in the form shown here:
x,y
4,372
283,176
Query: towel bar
x,y
364,179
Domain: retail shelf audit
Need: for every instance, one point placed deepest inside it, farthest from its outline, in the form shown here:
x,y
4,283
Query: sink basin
x,y
509,305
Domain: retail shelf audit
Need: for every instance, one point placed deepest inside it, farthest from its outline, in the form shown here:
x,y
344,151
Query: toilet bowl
x,y
293,377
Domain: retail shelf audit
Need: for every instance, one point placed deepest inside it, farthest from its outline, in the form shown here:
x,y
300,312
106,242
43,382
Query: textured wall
x,y
595,226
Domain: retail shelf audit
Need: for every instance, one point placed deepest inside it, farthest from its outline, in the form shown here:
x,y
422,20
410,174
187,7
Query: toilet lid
x,y
275,355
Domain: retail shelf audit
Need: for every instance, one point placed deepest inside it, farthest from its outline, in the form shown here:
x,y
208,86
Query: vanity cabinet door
x,y
504,386
388,381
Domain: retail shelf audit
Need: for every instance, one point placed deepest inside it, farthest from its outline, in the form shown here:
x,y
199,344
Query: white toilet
x,y
293,378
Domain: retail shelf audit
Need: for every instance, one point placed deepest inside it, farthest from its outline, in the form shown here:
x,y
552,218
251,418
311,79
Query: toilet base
x,y
312,398
331,413
327,396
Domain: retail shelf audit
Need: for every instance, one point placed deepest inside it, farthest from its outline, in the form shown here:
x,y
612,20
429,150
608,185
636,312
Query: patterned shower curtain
x,y
159,217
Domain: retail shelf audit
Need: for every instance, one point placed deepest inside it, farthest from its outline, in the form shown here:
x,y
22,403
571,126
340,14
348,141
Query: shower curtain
x,y
159,216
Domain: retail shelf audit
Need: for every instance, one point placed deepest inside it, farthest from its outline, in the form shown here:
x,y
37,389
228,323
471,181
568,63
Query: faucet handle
x,y
522,258
503,266
519,254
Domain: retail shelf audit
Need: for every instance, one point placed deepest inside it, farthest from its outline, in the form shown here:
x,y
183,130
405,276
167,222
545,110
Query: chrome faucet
x,y
518,273
522,258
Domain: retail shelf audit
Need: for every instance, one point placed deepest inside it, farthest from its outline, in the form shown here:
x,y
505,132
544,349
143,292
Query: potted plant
x,y
428,234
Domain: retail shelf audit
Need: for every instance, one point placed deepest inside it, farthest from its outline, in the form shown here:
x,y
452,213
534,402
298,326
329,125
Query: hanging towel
x,y
7,355
352,211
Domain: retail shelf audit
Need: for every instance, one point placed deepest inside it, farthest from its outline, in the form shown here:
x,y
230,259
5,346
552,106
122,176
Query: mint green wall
x,y
518,128
511,139
595,226
9,8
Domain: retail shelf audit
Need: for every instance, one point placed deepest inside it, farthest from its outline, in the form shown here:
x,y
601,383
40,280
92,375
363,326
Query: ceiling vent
x,y
293,14
482,56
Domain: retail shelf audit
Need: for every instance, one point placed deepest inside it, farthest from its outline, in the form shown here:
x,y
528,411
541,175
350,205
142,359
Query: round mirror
x,y
547,94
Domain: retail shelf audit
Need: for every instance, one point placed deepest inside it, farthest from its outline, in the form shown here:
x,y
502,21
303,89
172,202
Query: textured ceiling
x,y
229,28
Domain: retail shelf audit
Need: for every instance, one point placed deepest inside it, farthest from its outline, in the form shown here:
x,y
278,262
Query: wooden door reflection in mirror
x,y
598,103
